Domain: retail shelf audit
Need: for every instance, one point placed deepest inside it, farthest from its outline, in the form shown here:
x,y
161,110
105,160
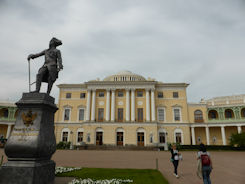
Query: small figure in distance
x,y
206,163
175,157
52,65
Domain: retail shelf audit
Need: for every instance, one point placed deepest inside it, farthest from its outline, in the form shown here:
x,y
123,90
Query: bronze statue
x,y
52,65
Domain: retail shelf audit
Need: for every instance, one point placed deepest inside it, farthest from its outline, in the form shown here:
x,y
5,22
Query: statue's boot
x,y
50,85
38,85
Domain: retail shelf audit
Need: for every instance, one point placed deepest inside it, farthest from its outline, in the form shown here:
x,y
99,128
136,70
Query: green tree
x,y
238,140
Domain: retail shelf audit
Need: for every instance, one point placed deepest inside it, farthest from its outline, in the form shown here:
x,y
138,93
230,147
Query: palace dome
x,y
125,76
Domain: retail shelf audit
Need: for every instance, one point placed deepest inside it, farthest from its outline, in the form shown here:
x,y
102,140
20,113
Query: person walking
x,y
205,160
175,157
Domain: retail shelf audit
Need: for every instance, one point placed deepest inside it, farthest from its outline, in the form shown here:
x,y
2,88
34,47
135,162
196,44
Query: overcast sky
x,y
197,42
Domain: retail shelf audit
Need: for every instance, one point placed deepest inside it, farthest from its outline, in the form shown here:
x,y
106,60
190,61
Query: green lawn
x,y
139,176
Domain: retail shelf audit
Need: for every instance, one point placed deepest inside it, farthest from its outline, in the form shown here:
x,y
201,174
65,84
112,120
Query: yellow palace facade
x,y
127,109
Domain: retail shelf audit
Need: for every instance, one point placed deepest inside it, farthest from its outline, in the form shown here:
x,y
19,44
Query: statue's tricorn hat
x,y
54,41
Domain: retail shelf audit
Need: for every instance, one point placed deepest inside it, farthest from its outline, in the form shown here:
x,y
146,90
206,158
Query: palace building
x,y
127,109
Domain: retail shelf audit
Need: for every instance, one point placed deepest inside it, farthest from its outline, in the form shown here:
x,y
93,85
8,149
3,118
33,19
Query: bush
x,y
63,145
238,140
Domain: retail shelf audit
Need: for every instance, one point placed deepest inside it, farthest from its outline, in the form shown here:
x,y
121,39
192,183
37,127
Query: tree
x,y
238,140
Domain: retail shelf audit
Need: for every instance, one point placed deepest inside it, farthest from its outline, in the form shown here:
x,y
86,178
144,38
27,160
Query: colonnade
x,y
222,128
110,105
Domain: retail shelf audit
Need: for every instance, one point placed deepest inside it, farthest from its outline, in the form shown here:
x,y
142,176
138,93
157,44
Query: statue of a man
x,y
52,65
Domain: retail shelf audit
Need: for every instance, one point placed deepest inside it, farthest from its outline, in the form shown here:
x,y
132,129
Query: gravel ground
x,y
228,166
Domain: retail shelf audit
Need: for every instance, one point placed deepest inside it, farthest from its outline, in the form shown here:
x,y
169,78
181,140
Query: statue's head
x,y
54,42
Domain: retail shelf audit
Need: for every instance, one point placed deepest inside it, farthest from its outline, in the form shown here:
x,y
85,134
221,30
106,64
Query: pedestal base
x,y
28,172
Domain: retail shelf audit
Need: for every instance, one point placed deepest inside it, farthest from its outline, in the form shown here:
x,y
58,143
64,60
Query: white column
x,y
113,105
127,105
8,131
239,129
223,135
132,105
193,136
207,135
147,105
93,105
153,115
108,105
88,105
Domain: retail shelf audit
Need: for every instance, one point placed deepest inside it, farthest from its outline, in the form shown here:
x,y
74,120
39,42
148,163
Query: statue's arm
x,y
59,61
33,56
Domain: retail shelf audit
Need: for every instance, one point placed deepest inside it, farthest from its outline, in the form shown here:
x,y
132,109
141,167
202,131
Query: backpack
x,y
205,160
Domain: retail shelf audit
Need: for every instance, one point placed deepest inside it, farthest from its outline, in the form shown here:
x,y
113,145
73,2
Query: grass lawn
x,y
139,176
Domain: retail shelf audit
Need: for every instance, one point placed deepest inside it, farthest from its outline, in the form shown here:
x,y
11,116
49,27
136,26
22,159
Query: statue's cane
x,y
29,70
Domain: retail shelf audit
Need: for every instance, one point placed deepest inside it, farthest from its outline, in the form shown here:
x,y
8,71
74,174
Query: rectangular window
x,y
79,136
101,94
140,114
120,114
68,95
175,95
81,114
65,136
162,137
177,114
82,95
120,94
67,114
178,137
160,94
139,93
160,114
100,114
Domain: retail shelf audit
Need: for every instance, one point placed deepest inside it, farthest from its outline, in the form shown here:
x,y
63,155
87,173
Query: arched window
x,y
178,136
213,114
243,113
229,113
198,116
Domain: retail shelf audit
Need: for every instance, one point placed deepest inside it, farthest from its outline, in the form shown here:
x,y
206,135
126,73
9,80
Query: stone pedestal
x,y
32,142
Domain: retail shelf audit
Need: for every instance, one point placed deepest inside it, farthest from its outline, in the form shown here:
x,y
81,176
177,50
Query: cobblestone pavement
x,y
229,167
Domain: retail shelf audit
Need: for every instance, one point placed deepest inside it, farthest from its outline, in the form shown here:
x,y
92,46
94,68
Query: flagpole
x,y
29,70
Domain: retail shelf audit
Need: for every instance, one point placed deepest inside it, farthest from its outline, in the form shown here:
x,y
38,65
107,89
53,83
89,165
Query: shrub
x,y
238,140
63,145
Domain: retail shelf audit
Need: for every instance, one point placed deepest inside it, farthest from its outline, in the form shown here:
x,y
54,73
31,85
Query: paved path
x,y
229,167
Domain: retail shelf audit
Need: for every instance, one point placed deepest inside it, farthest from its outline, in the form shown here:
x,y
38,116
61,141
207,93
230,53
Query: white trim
x,y
178,130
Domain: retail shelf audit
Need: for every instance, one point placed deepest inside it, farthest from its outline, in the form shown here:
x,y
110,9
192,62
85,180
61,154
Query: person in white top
x,y
175,157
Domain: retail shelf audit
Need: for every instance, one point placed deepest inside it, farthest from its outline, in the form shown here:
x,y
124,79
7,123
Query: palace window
x,y
81,115
243,113
162,137
140,114
160,95
175,95
120,94
82,95
100,114
160,114
178,138
229,113
176,114
79,136
212,114
120,114
198,116
68,95
67,114
101,94
65,136
139,93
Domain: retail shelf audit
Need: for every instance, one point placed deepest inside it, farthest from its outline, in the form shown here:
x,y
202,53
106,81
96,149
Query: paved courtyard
x,y
229,167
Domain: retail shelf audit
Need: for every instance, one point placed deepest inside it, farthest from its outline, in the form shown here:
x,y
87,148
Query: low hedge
x,y
212,147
